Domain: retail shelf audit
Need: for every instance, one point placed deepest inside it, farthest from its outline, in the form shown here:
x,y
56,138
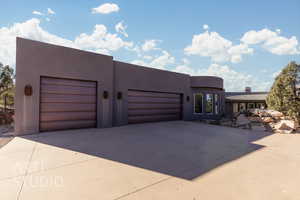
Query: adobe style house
x,y
59,88
242,101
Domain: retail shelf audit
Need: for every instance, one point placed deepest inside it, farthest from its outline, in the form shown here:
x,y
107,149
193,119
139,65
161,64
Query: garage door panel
x,y
63,116
135,93
68,107
61,98
141,112
66,104
67,82
155,118
62,89
153,100
153,106
60,125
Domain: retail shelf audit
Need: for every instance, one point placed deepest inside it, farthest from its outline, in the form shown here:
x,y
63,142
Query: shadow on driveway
x,y
181,149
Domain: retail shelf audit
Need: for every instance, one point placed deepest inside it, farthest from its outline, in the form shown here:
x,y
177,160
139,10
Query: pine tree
x,y
282,96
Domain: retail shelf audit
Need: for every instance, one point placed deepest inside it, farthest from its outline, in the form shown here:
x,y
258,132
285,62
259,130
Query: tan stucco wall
x,y
35,59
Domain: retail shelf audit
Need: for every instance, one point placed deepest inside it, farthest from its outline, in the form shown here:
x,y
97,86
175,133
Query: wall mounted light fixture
x,y
105,95
119,95
28,90
187,98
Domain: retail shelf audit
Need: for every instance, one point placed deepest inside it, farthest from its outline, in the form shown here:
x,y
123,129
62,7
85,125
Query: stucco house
x,y
242,101
60,88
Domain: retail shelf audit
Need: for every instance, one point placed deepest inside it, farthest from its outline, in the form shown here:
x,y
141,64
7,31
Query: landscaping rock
x,y
267,119
285,126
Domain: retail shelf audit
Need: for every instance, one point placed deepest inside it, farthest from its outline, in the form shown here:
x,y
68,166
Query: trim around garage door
x,y
67,104
150,106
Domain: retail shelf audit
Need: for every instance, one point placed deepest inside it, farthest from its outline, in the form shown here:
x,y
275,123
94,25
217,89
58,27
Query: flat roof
x,y
243,96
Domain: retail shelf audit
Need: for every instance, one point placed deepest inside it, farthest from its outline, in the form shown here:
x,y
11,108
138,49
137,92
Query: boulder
x,y
275,113
286,126
267,119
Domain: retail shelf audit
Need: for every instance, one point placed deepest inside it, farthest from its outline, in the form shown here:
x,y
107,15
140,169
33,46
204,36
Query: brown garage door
x,y
67,104
153,106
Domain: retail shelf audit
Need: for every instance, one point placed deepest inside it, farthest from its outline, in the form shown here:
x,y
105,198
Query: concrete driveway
x,y
168,160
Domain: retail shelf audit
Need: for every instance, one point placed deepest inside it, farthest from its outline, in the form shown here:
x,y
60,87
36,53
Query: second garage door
x,y
146,106
66,104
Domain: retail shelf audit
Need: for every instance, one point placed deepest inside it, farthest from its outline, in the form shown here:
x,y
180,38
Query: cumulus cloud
x,y
205,27
219,49
233,80
50,11
121,28
100,40
106,8
158,62
272,41
150,45
37,13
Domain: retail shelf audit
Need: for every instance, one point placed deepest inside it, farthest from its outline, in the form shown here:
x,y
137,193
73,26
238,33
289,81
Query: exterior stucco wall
x,y
128,76
36,59
207,82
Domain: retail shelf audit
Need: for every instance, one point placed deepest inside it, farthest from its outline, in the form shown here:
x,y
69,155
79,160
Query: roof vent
x,y
248,89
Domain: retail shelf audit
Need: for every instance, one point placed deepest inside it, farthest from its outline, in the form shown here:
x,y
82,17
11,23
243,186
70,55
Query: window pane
x,y
209,103
198,103
216,104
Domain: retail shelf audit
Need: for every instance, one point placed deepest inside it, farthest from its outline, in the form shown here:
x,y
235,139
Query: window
x,y
198,103
216,104
242,107
209,103
251,105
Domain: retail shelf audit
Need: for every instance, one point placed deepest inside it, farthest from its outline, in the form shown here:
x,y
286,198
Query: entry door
x,y
144,106
67,104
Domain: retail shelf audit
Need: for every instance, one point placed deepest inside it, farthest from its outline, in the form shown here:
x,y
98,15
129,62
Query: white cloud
x,y
37,13
48,19
148,57
120,28
205,27
106,8
158,62
99,41
272,41
150,45
219,49
278,31
233,80
50,11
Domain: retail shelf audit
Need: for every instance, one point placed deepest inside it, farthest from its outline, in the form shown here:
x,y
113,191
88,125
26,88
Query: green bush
x,y
282,96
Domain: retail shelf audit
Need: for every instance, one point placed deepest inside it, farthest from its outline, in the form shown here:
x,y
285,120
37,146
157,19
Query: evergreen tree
x,y
282,96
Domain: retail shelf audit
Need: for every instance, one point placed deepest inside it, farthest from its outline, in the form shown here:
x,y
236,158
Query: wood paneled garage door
x,y
153,106
67,104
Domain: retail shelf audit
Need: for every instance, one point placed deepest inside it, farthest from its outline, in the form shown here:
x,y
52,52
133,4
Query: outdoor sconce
x,y
28,90
119,95
105,95
187,98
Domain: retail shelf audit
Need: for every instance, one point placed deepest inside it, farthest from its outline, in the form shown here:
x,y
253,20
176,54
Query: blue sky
x,y
245,42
